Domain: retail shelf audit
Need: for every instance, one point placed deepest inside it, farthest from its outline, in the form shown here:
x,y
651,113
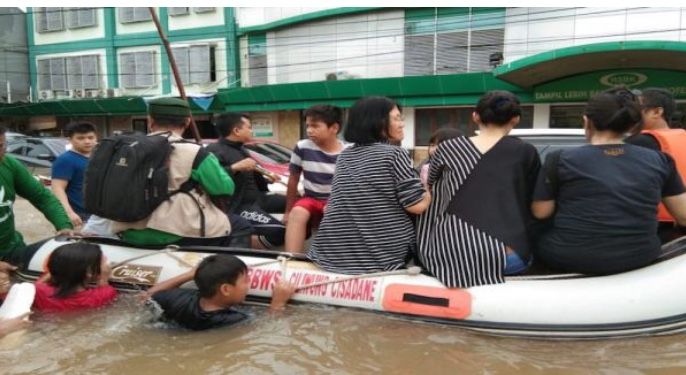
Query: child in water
x,y
222,282
72,268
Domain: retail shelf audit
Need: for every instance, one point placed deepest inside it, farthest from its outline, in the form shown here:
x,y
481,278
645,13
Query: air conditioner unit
x,y
46,95
113,93
75,94
95,93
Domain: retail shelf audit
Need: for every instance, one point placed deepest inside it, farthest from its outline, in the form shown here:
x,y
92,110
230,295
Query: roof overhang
x,y
552,65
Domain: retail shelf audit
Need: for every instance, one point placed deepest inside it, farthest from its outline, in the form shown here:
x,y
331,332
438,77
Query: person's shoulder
x,y
644,140
307,144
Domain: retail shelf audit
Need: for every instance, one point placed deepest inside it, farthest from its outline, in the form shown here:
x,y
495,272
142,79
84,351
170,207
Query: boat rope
x,y
170,250
411,271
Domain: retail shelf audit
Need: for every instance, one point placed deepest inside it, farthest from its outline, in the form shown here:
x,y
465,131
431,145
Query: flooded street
x,y
124,339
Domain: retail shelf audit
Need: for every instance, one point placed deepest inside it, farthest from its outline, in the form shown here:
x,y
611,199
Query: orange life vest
x,y
673,143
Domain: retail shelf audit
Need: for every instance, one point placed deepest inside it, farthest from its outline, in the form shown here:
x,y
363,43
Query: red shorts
x,y
315,207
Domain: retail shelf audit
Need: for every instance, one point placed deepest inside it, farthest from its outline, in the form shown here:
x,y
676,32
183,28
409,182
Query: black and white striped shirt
x,y
365,227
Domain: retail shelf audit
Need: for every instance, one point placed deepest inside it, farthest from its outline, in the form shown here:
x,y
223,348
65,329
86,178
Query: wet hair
x,y
616,110
79,127
71,265
226,122
498,107
659,98
443,134
368,120
216,270
328,114
3,130
169,121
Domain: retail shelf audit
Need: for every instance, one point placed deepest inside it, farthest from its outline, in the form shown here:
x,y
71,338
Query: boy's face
x,y
236,294
244,131
83,142
318,132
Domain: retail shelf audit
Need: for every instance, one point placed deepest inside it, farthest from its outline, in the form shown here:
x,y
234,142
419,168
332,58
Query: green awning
x,y
455,89
121,106
552,65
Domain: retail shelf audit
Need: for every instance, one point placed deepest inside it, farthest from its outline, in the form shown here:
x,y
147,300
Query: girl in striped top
x,y
476,228
366,226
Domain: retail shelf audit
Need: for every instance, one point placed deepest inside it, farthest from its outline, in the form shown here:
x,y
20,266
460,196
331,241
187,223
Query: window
x,y
36,150
176,11
49,19
566,116
195,63
137,69
134,14
204,10
428,120
257,59
81,17
452,40
67,73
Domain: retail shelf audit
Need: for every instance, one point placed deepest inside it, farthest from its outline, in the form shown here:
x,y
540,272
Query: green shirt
x,y
214,181
15,180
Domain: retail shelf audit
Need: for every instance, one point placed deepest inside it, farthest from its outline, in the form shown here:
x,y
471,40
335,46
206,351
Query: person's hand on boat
x,y
66,232
6,267
281,293
75,219
105,271
8,326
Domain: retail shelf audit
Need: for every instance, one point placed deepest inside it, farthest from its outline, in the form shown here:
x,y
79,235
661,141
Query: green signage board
x,y
582,87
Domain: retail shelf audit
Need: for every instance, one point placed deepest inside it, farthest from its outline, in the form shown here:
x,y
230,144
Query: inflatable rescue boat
x,y
647,301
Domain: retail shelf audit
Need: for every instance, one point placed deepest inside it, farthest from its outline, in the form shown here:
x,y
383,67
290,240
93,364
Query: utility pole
x,y
175,70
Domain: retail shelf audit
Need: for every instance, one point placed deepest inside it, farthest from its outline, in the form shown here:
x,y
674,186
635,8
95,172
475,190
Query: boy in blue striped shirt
x,y
315,159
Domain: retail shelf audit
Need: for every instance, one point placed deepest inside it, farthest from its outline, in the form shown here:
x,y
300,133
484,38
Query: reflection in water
x,y
310,339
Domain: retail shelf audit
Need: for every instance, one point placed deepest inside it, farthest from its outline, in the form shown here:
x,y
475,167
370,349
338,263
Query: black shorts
x,y
270,231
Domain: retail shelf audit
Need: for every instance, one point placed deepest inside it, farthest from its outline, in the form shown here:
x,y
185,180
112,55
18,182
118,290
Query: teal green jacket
x,y
15,180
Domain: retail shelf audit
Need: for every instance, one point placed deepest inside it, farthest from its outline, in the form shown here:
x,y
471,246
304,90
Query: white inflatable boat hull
x,y
648,301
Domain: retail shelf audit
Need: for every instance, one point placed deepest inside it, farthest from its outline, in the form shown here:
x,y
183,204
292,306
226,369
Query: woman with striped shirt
x,y
476,228
366,226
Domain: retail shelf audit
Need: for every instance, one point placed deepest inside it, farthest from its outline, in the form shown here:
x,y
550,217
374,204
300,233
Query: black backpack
x,y
128,177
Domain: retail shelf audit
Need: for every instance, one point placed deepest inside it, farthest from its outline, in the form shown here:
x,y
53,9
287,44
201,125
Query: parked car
x,y
548,140
37,154
10,136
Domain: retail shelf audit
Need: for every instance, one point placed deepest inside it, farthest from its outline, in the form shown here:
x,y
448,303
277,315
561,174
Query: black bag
x,y
128,177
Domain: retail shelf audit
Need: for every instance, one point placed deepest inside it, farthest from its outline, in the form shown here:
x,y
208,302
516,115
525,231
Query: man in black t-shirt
x,y
222,282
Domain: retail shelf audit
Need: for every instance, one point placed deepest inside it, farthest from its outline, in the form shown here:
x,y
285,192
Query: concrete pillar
x,y
541,116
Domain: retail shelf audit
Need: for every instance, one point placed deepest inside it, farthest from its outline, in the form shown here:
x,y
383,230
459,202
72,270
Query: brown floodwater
x,y
126,339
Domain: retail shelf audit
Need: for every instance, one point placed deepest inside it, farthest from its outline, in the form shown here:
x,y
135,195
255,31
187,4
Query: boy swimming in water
x,y
222,282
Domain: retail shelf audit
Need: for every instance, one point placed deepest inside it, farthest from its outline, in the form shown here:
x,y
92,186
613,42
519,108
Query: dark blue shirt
x,y
71,167
606,206
183,307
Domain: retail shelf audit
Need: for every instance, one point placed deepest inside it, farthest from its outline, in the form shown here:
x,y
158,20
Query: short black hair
x,y
71,264
3,129
655,97
443,134
328,114
498,107
170,121
368,120
226,122
614,109
216,270
79,127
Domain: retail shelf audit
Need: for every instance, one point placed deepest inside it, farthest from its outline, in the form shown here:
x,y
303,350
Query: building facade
x,y
14,72
275,62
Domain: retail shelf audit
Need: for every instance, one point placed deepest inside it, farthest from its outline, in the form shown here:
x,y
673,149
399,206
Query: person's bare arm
x,y
543,209
59,188
676,205
172,283
281,293
8,326
420,206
